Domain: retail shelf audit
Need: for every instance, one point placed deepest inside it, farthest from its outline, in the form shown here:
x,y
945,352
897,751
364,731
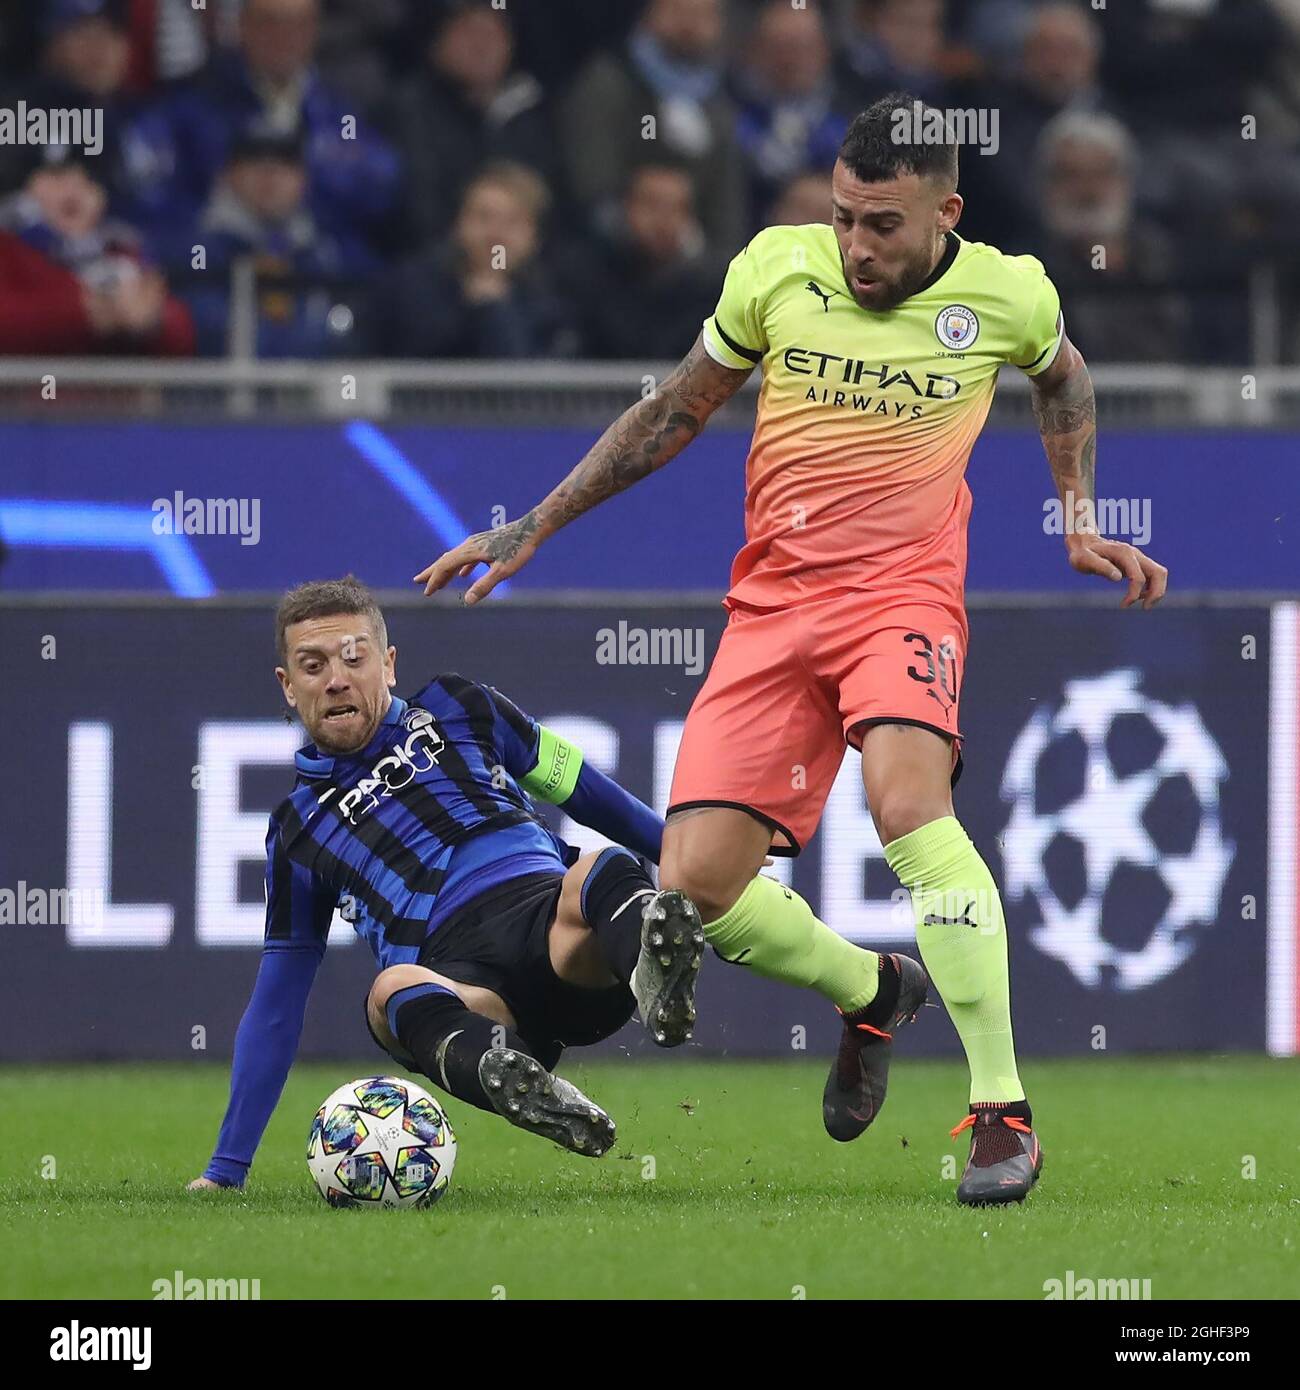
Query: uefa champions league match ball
x,y
381,1141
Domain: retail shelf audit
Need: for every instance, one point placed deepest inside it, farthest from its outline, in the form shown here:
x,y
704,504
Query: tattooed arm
x,y
640,441
1066,411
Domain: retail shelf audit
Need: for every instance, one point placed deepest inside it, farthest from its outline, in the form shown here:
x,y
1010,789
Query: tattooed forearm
x,y
636,444
642,439
1066,406
504,542
1066,410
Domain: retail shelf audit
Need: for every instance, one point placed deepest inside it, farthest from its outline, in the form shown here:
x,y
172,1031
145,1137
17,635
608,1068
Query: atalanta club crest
x,y
957,327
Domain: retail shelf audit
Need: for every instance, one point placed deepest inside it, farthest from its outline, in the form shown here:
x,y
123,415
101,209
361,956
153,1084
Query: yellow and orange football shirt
x,y
866,420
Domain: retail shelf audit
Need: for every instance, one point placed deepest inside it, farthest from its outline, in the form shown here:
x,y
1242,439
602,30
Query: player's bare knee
x,y
711,882
902,810
569,908
386,984
711,854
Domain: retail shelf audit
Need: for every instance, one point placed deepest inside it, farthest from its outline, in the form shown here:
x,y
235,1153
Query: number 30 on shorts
x,y
940,662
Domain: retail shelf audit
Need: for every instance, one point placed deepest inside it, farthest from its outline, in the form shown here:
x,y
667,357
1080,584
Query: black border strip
x,y
748,353
864,724
1060,338
783,851
945,262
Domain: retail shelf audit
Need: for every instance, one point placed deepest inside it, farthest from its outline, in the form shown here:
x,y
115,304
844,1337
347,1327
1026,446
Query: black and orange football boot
x,y
1005,1155
855,1089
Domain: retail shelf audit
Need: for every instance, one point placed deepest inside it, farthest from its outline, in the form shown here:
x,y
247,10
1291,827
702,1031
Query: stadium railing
x,y
541,392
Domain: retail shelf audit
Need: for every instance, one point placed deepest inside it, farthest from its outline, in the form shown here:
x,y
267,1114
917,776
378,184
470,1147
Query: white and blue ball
x,y
381,1141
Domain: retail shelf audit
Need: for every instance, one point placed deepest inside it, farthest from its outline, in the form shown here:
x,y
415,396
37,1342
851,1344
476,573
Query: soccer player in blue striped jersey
x,y
498,945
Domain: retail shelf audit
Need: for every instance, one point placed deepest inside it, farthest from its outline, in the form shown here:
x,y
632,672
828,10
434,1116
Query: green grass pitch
x,y
1145,1178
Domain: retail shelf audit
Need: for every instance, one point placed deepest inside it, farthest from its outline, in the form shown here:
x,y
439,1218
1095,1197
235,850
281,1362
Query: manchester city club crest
x,y
957,326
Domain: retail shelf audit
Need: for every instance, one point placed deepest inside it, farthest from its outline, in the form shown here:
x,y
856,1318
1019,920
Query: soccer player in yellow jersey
x,y
880,338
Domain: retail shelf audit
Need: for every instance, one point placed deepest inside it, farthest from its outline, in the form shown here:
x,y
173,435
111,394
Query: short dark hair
x,y
322,598
874,151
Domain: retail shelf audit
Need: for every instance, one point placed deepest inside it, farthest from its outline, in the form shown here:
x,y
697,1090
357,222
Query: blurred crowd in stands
x,y
569,178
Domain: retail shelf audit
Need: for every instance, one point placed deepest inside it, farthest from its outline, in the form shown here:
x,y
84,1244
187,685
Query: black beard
x,y
911,280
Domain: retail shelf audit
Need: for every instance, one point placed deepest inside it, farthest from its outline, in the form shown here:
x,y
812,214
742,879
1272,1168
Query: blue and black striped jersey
x,y
432,811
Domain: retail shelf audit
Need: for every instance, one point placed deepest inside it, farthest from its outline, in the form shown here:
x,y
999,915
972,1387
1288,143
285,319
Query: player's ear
x,y
283,677
390,663
950,211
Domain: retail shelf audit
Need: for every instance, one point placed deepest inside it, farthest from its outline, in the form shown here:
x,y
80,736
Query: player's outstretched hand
x,y
505,549
1120,562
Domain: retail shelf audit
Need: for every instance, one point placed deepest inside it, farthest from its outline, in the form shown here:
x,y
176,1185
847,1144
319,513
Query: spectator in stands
x,y
667,87
259,211
84,58
1185,77
269,86
483,293
364,45
1057,71
648,284
560,36
806,198
86,51
1112,268
1277,97
1187,67
893,45
74,281
469,105
992,33
1058,67
788,119
170,40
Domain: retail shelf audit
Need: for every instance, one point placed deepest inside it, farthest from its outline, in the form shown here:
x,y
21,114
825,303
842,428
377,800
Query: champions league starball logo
x,y
1115,834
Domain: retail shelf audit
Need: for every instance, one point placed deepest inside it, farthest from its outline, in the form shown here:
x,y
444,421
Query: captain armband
x,y
555,773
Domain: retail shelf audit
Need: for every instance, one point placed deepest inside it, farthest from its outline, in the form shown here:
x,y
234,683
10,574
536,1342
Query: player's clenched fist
x,y
1118,561
505,549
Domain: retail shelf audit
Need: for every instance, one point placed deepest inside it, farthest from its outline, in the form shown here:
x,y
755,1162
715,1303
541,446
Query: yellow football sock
x,y
962,937
770,929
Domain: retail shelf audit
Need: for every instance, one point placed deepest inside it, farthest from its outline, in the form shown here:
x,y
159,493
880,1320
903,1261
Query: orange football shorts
x,y
789,687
